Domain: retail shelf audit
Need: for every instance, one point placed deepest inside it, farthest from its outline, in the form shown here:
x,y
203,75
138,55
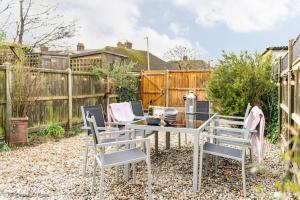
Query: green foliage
x,y
289,186
272,128
53,130
2,35
5,148
120,73
243,78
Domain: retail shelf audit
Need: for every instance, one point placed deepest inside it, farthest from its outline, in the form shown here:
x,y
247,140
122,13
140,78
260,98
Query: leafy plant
x,y
2,35
243,78
120,73
53,130
5,148
26,83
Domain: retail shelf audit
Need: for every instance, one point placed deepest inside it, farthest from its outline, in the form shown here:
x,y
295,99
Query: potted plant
x,y
25,89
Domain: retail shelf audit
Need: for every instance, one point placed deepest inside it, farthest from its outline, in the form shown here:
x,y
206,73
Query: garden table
x,y
178,128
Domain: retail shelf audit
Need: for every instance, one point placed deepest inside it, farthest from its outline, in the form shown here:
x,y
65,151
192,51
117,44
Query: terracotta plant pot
x,y
19,131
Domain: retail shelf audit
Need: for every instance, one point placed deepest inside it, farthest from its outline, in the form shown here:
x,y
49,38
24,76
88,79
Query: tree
x,y
38,24
182,55
239,79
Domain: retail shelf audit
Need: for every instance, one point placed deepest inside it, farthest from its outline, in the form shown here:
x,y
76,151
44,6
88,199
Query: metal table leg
x,y
195,162
168,138
156,142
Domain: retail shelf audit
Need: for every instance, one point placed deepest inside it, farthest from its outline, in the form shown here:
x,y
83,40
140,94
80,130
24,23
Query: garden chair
x,y
97,111
117,158
221,128
232,152
137,109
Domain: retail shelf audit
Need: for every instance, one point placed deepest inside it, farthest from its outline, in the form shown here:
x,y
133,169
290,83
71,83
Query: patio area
x,y
52,170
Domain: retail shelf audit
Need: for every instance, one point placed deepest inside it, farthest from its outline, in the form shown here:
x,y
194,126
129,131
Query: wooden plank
x,y
296,118
284,108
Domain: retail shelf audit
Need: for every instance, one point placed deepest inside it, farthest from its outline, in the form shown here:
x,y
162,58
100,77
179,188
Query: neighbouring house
x,y
139,57
84,59
185,63
274,52
48,59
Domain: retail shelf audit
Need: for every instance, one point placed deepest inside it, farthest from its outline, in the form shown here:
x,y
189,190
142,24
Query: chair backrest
x,y
91,122
202,110
248,124
97,112
137,108
247,110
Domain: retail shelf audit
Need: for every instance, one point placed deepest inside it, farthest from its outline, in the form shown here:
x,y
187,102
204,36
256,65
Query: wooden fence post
x,y
279,96
290,64
8,99
70,88
167,89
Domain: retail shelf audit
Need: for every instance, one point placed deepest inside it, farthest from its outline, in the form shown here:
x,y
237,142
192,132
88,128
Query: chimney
x,y
185,58
44,48
120,45
128,45
80,47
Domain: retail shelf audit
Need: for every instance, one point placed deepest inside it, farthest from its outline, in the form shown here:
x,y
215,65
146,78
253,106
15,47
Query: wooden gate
x,y
167,88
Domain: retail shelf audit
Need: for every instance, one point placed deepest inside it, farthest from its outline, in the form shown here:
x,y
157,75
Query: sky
x,y
209,26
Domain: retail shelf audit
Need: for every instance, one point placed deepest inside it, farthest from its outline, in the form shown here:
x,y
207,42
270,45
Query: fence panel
x,y
167,88
296,50
2,102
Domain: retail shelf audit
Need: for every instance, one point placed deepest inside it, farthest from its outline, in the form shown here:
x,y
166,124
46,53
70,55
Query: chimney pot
x,y
128,45
80,47
44,48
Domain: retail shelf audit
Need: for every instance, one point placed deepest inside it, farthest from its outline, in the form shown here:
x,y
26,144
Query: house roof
x,y
275,48
140,57
89,52
194,64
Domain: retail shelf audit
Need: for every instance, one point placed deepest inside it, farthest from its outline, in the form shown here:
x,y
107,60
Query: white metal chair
x,y
97,111
117,158
223,126
236,152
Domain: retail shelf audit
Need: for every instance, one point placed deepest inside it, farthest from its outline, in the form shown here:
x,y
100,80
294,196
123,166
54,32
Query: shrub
x,y
121,75
5,148
53,130
243,78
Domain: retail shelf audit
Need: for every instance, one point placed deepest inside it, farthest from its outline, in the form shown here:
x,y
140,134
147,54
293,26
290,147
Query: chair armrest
x,y
227,138
139,117
101,128
230,122
237,130
230,117
142,140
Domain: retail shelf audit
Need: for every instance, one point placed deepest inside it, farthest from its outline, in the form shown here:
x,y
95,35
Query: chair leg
x,y
251,154
102,184
133,173
185,138
156,142
244,177
206,164
85,156
94,175
179,140
148,162
216,163
117,168
200,170
144,145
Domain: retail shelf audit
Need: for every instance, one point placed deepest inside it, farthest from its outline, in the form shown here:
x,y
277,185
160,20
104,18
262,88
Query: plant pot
x,y
19,131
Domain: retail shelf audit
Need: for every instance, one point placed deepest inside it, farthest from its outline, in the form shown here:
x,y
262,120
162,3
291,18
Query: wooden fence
x,y
286,72
167,88
63,94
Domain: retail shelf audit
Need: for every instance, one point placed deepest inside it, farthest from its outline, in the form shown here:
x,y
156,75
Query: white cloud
x,y
106,22
178,29
241,15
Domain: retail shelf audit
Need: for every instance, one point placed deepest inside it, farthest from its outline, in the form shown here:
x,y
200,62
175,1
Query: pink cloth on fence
x,y
258,137
118,112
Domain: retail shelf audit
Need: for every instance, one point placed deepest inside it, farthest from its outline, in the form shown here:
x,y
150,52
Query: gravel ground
x,y
51,170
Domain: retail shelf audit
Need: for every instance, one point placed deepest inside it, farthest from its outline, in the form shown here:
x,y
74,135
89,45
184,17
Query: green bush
x,y
121,74
243,78
5,148
53,130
